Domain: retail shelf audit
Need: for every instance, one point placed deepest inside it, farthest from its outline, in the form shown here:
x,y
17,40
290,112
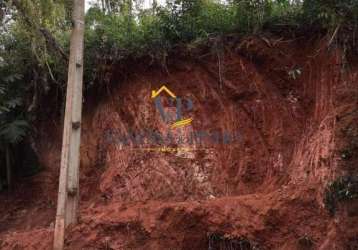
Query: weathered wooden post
x,y
68,194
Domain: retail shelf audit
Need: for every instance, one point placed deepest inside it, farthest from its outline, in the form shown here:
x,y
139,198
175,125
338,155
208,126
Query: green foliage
x,y
331,13
252,15
344,188
111,37
14,131
154,34
13,127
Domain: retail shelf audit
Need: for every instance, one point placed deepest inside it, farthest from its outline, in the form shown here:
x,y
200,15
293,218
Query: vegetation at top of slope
x,y
116,30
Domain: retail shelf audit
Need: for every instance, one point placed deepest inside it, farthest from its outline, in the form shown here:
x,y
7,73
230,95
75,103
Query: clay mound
x,y
264,191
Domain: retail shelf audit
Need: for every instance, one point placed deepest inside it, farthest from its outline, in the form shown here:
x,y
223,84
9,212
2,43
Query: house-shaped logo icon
x,y
178,121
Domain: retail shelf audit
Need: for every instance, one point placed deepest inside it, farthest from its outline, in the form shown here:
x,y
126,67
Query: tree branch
x,y
50,40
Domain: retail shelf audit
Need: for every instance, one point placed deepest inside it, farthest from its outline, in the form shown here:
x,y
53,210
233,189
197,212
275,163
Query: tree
x,y
31,21
13,127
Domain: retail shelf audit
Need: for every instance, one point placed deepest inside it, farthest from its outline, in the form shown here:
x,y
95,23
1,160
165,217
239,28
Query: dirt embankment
x,y
288,101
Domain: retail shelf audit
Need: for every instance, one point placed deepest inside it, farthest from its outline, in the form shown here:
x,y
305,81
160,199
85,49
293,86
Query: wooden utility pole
x,y
68,194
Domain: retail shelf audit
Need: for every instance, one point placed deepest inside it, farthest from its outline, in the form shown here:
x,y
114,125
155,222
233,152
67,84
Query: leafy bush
x,y
331,13
13,127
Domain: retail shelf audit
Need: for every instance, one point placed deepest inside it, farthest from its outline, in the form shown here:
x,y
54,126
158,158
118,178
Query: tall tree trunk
x,y
68,193
103,6
108,6
154,6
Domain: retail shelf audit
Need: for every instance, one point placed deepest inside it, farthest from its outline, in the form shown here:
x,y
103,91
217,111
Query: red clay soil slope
x,y
289,102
